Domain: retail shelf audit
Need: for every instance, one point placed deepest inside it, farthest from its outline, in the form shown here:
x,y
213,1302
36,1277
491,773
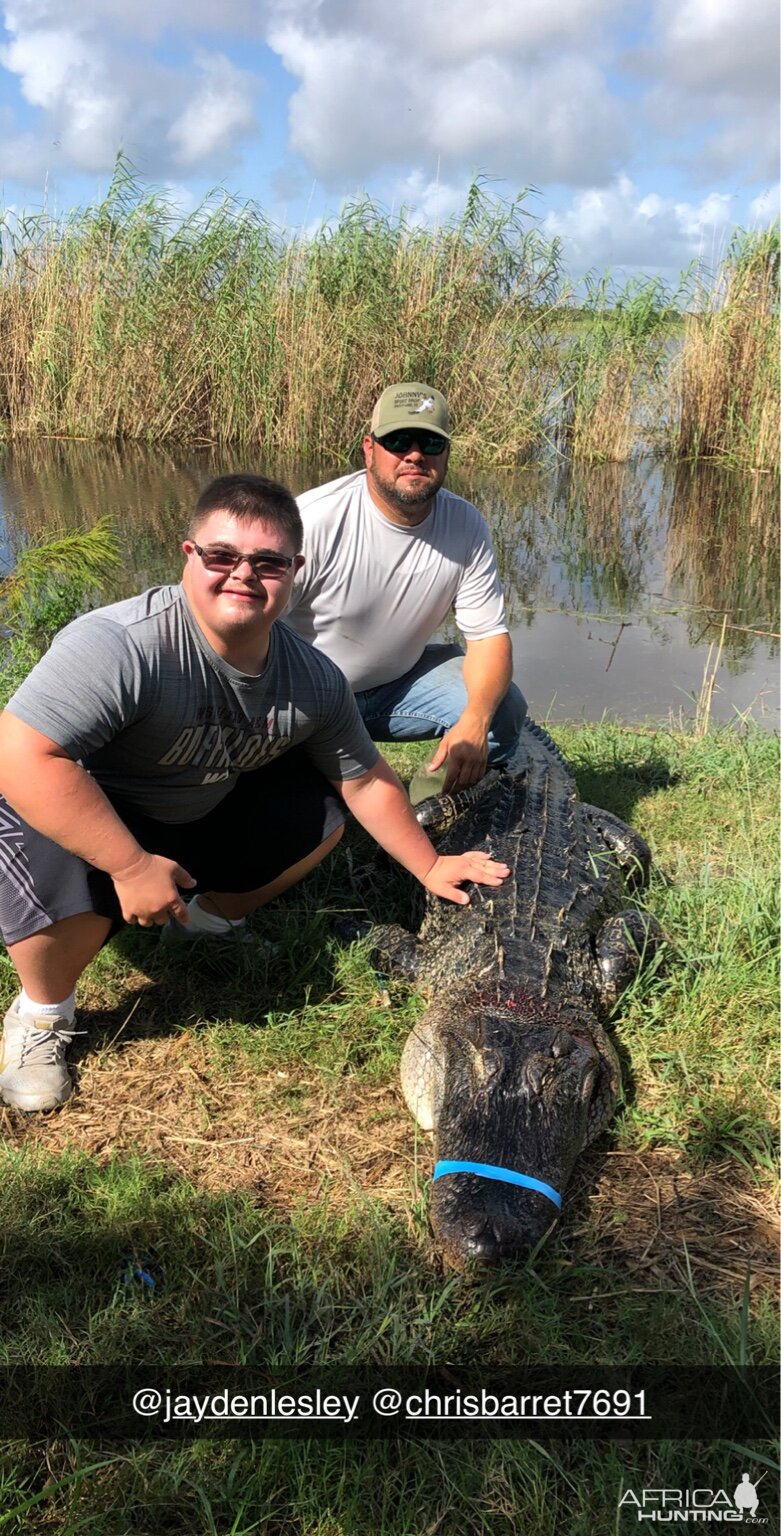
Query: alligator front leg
x,y
632,852
624,944
396,948
439,812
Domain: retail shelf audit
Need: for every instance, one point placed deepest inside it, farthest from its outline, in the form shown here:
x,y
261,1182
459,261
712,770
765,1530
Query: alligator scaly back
x,y
510,1065
534,930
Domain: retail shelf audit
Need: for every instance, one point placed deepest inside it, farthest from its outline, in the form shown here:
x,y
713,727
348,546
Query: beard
x,y
402,495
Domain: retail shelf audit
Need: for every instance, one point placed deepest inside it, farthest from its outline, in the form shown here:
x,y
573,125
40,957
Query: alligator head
x,y
515,1089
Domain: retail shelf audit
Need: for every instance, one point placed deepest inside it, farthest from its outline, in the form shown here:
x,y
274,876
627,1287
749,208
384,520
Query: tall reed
x,y
610,368
727,380
128,321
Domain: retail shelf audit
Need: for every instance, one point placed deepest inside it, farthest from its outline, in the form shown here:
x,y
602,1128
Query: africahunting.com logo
x,y
698,1506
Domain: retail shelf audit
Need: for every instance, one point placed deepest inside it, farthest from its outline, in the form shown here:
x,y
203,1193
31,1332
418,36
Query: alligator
x,y
511,1066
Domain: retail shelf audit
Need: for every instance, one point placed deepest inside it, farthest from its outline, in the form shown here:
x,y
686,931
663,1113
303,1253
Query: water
x,y
618,578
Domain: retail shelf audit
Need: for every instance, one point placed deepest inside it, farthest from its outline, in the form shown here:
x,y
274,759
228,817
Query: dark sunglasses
x,y
261,564
429,443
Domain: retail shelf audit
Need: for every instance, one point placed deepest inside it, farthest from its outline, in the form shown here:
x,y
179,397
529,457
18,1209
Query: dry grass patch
x,y
654,1217
284,1135
288,1138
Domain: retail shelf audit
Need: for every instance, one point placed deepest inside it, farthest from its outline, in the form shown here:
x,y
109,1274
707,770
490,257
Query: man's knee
x,y
506,725
509,715
315,856
248,901
513,708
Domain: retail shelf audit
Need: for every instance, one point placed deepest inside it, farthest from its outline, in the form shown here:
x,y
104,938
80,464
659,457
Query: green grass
x,y
319,1255
710,1062
52,580
428,1490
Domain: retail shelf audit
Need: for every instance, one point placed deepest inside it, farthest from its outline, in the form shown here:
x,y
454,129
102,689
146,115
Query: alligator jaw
x,y
516,1105
471,1225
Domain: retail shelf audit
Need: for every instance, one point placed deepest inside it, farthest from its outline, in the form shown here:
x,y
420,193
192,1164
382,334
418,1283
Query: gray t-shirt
x,y
135,692
371,593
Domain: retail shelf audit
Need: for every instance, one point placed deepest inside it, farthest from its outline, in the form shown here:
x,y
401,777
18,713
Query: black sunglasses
x,y
261,563
429,443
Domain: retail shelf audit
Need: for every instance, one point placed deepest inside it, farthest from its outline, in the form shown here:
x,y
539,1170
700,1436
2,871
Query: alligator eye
x,y
562,1045
470,1032
538,1073
493,1063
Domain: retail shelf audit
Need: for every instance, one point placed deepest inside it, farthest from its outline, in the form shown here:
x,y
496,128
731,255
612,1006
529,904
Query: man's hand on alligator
x,y
463,750
445,875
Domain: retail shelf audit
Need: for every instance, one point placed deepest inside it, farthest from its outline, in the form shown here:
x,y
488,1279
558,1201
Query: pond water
x,y
626,584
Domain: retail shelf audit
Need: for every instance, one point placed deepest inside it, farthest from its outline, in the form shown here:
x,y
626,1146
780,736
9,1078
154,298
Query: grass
x,y
128,321
239,1125
51,581
230,1492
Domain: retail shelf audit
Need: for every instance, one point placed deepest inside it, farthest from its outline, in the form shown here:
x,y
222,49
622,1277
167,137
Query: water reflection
x,y
606,520
617,576
722,554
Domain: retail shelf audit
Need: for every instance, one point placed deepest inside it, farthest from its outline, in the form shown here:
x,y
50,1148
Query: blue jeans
x,y
428,699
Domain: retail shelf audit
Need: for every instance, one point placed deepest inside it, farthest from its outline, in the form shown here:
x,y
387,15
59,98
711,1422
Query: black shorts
x,y
271,819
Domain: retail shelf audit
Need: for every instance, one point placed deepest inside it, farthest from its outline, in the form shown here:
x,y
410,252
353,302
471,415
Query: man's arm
x,y
61,800
378,801
488,671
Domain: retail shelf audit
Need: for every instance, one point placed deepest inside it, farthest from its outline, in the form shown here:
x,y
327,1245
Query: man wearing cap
x,y
181,741
389,553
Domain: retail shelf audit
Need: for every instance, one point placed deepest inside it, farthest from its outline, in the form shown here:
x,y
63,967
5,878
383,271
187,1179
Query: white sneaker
x,y
33,1073
182,933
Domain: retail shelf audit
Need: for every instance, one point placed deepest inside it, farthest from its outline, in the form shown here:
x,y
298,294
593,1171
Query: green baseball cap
x,y
411,405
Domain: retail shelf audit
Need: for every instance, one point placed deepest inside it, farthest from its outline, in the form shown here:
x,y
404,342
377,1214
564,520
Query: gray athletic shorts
x,y
271,818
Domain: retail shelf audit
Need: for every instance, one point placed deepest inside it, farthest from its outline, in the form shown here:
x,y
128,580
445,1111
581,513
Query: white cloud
x,y
361,106
45,61
136,18
766,207
99,92
427,200
504,30
714,64
69,77
455,31
726,47
219,110
616,226
23,157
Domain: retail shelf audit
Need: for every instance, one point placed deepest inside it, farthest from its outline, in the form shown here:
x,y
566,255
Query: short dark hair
x,y
250,497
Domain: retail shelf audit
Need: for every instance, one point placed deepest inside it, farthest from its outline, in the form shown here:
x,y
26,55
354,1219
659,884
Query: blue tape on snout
x,y
504,1175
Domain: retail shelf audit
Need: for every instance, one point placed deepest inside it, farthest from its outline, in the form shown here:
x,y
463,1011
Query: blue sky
x,y
649,130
